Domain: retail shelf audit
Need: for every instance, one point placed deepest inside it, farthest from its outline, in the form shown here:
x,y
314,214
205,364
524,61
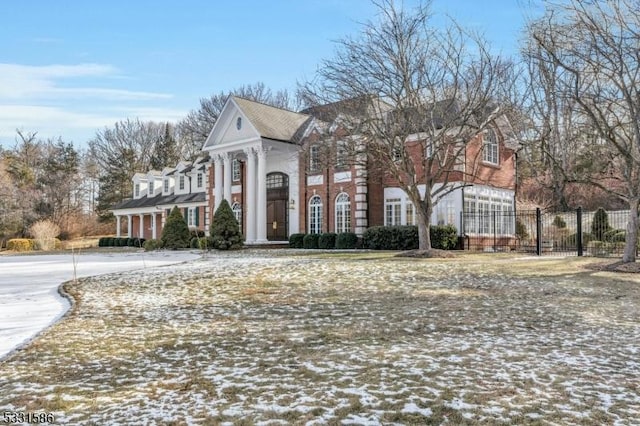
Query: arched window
x,y
490,147
343,213
315,215
237,212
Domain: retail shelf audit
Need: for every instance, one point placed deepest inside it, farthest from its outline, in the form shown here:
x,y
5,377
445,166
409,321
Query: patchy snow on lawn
x,y
274,338
29,298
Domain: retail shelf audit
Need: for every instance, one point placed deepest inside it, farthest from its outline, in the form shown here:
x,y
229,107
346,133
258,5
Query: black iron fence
x,y
578,233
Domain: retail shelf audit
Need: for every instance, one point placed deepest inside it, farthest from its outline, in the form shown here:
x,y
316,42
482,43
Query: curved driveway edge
x,y
30,295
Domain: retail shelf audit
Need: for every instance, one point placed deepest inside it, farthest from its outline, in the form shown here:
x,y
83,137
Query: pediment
x,y
232,126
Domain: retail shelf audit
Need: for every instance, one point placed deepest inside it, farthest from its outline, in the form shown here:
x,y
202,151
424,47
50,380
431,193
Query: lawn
x,y
280,337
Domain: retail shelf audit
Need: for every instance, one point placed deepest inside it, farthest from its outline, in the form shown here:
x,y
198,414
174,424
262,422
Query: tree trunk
x,y
424,222
632,233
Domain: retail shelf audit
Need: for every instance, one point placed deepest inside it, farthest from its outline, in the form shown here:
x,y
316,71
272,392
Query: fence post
x,y
495,241
579,231
538,231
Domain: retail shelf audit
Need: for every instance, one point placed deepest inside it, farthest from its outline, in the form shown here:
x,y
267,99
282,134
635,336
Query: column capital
x,y
249,151
261,151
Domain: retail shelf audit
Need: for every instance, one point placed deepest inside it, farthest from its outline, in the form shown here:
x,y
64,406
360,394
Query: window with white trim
x,y
490,147
237,213
410,213
136,190
343,213
235,170
314,158
396,152
199,180
392,211
191,216
488,215
151,185
181,182
166,185
315,215
341,155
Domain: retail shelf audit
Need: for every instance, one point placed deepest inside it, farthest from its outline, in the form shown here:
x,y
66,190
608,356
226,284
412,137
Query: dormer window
x,y
199,180
166,185
151,185
490,148
136,190
181,183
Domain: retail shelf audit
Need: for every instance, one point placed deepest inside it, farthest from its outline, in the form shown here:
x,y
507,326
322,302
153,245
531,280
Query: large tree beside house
x,y
417,98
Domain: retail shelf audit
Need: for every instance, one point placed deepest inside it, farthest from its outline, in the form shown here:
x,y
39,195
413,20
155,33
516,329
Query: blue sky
x,y
71,68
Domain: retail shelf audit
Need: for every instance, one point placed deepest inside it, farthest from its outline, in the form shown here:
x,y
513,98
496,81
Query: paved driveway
x,y
29,299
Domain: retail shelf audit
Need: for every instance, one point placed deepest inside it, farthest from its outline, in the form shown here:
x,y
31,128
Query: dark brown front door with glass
x,y
277,207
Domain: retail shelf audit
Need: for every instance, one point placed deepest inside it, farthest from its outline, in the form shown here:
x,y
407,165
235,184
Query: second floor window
x,y
314,158
235,170
341,156
181,182
136,190
151,188
490,148
166,185
199,180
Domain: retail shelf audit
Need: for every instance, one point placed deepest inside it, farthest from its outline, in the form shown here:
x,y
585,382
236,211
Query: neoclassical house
x,y
270,165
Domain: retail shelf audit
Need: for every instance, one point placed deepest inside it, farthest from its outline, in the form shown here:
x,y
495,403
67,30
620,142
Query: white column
x,y
261,207
217,182
250,209
141,234
118,225
227,177
154,228
129,225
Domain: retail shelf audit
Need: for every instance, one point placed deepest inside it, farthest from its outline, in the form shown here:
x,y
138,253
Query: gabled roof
x,y
271,122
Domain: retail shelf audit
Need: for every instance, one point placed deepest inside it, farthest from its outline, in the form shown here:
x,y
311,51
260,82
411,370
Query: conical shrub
x,y
225,230
175,234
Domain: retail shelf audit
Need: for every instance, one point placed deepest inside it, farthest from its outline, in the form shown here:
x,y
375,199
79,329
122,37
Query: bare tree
x,y
416,97
594,47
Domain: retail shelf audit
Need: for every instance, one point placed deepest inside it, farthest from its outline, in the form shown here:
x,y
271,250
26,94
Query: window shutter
x,y
185,212
197,216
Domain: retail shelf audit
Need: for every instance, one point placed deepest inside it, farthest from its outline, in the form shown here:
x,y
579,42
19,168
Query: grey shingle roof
x,y
271,122
160,200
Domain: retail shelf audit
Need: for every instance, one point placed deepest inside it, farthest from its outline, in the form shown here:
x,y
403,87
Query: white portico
x,y
254,153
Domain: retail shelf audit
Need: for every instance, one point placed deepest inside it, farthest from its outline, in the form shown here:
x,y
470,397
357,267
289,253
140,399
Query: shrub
x,y
571,239
112,242
122,242
131,242
175,234
44,233
150,245
310,241
225,230
346,240
327,240
521,230
296,240
444,237
102,241
615,236
198,233
205,243
20,244
559,222
194,244
600,224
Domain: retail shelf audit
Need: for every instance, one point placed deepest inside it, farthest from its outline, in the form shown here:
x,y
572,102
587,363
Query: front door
x,y
277,207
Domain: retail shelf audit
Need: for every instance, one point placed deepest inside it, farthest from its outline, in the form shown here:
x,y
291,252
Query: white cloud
x,y
41,82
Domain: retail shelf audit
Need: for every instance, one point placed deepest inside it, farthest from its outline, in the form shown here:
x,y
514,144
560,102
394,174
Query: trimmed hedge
x,y
150,245
310,241
406,237
296,240
346,240
20,244
327,240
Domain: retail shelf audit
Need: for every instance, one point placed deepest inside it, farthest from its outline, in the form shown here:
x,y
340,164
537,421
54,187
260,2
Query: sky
x,y
71,68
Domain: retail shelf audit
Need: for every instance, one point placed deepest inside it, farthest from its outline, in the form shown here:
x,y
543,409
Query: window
x,y
136,190
235,170
490,147
181,182
411,216
192,217
237,212
166,185
277,180
396,152
341,156
392,211
315,215
199,180
151,184
343,213
488,215
314,158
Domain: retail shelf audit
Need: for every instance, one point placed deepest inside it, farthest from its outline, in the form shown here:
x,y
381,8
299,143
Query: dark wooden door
x,y
277,207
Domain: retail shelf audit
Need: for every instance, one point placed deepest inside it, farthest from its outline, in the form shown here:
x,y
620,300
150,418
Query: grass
x,y
267,336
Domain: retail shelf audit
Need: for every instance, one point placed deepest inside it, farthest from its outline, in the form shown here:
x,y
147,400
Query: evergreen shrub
x,y
443,237
175,234
296,240
600,224
346,240
327,241
225,230
310,241
150,245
